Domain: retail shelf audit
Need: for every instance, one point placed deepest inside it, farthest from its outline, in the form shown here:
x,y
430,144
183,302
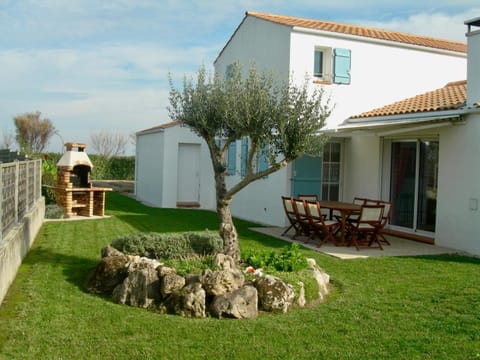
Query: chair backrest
x,y
359,201
371,214
386,211
313,210
288,206
300,207
307,197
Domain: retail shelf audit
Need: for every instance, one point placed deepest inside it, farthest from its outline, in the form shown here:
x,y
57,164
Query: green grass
x,y
382,308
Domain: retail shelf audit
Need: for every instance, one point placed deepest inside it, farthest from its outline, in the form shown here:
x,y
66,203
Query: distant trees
x,y
7,140
32,132
109,144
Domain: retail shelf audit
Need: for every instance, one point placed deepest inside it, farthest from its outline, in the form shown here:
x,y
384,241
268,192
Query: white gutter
x,y
415,128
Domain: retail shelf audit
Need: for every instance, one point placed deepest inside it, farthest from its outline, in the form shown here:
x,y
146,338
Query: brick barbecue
x,y
74,191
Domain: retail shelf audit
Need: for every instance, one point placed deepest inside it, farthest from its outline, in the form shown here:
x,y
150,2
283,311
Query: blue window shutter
x,y
263,159
341,66
232,158
218,143
244,155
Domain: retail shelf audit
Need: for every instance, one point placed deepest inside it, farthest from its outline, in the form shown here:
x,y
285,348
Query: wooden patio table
x,y
345,209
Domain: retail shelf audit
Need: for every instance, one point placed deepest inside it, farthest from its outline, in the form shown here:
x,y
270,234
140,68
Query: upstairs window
x,y
322,64
332,65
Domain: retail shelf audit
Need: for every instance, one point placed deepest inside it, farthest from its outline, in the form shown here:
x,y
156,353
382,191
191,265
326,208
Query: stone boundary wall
x,y
22,210
16,244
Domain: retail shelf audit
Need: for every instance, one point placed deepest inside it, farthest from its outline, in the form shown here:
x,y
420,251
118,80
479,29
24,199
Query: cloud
x,y
437,24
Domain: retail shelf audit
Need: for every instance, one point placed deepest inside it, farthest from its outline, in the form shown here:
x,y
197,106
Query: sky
x,y
94,66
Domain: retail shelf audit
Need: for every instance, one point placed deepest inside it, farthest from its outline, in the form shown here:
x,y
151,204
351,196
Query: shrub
x,y
289,259
53,211
169,245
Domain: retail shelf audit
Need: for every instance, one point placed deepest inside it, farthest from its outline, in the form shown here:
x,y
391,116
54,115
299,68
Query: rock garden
x,y
186,274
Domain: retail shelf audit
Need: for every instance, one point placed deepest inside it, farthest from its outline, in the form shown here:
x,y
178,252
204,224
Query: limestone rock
x,y
240,304
219,282
138,263
171,283
322,278
224,262
141,288
164,270
110,272
301,301
188,302
108,251
274,295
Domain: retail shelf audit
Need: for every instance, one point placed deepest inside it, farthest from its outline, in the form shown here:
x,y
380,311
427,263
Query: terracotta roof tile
x,y
363,31
452,96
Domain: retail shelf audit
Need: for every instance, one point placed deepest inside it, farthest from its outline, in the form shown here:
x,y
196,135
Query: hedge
x,y
115,168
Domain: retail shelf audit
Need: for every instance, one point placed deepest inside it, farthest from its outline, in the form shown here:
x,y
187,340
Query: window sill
x,y
323,82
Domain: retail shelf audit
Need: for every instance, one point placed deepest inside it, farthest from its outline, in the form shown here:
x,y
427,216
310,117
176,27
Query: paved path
x,y
398,247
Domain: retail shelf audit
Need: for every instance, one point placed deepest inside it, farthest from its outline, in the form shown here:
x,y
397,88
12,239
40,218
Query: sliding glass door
x,y
413,184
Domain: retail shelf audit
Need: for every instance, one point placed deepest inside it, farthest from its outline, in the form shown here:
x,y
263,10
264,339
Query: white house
x,y
359,67
422,153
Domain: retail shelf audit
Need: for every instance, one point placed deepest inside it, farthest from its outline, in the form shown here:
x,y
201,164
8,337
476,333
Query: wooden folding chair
x,y
367,226
303,221
324,229
290,213
385,219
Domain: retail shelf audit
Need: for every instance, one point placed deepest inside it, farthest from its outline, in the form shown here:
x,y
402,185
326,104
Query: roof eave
x,y
402,119
378,41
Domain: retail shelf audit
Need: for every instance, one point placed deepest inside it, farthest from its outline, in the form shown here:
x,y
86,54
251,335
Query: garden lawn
x,y
381,308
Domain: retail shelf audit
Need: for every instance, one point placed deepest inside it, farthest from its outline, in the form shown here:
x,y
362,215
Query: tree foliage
x,y
280,119
109,144
33,133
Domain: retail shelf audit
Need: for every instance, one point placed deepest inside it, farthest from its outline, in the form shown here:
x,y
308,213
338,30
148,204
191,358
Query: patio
x,y
398,247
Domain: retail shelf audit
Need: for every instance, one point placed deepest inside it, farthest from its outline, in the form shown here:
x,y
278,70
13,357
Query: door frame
x,y
386,179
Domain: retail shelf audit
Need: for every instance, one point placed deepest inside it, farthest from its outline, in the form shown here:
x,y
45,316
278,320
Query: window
x,y
331,171
332,65
322,65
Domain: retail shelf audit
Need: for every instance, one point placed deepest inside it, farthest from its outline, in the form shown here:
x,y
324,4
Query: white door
x,y
188,176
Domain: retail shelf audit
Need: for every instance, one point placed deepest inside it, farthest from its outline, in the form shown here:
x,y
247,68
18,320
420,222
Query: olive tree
x,y
282,121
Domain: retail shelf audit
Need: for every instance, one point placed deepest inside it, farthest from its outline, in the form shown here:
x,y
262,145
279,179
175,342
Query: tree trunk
x,y
228,231
227,228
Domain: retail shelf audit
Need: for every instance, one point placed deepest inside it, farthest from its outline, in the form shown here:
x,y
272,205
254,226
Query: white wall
x,y
260,42
380,74
261,200
457,225
362,167
473,95
149,168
